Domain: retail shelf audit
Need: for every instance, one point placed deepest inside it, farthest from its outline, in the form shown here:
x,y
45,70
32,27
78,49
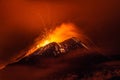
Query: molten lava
x,y
61,33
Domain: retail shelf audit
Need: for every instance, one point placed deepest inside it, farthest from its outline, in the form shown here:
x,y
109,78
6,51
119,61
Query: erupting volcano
x,y
59,34
59,41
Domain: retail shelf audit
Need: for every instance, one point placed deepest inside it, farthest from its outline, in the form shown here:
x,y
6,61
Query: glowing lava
x,y
65,31
61,33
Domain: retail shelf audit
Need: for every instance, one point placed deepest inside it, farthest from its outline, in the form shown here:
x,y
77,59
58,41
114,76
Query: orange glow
x,y
61,33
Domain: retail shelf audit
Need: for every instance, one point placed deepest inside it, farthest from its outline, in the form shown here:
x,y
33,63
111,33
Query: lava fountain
x,y
59,34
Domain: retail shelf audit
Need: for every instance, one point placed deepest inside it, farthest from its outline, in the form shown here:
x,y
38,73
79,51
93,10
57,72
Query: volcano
x,y
80,64
54,49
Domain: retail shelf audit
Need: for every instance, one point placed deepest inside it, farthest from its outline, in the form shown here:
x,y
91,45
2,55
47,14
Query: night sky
x,y
21,21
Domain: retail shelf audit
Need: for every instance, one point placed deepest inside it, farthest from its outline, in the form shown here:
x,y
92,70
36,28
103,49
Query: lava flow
x,y
61,33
